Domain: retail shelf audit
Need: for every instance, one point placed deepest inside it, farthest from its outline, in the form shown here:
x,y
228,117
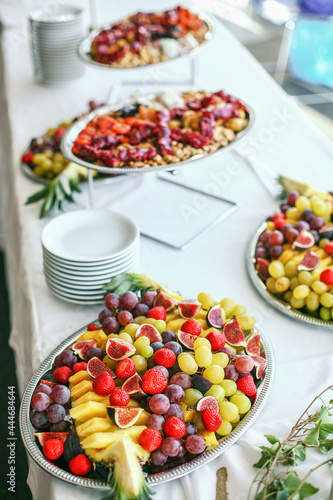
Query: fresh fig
x,y
188,309
309,262
260,365
133,386
45,436
148,330
233,333
81,348
95,366
165,300
327,231
201,383
72,446
262,268
207,402
304,240
118,349
253,344
47,382
214,317
187,339
124,416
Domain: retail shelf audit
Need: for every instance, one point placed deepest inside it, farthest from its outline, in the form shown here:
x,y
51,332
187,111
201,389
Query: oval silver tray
x,y
85,46
69,137
174,473
271,299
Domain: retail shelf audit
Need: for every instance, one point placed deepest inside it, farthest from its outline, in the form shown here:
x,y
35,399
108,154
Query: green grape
x,y
140,343
323,242
246,322
206,300
297,303
319,287
294,283
149,321
238,310
228,411
229,386
160,325
131,329
228,305
326,300
203,356
302,203
214,373
221,359
325,313
319,207
293,213
140,363
291,269
192,396
126,336
276,269
305,278
217,392
242,402
147,351
187,364
287,296
282,284
201,341
270,284
139,319
225,428
312,301
236,420
197,420
301,292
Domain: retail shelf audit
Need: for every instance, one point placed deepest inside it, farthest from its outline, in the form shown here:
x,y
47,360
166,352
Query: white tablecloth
x,y
282,137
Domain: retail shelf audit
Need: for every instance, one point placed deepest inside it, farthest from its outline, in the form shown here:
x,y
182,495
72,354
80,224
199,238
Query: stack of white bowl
x,y
55,35
83,250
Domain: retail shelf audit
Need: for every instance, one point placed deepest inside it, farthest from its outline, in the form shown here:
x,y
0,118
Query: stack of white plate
x,y
55,35
85,249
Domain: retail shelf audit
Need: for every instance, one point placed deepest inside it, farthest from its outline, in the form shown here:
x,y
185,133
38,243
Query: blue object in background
x,y
321,7
311,52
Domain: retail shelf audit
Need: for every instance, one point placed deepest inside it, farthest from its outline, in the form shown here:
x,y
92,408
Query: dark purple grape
x,y
150,362
163,370
112,301
95,352
128,300
276,251
174,347
67,358
292,197
174,369
316,235
226,350
62,426
61,394
140,310
191,428
174,411
144,403
265,236
316,223
182,379
171,446
175,393
57,362
40,401
284,207
158,457
148,298
156,346
286,228
169,336
56,413
195,444
106,313
182,450
110,325
302,225
307,215
125,318
159,404
39,419
155,422
231,373
45,388
261,253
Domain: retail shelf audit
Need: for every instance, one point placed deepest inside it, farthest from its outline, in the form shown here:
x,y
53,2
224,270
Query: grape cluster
x,y
49,406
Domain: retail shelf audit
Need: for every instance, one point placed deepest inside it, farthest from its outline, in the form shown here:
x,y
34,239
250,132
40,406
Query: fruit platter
x,y
146,38
157,131
158,386
290,258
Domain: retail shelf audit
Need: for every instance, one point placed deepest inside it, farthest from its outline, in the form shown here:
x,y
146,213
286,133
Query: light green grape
x,y
305,278
197,420
221,359
160,325
217,392
228,411
214,373
126,336
203,356
140,343
147,351
238,310
225,428
187,364
276,269
242,402
201,341
229,386
140,363
192,396
228,305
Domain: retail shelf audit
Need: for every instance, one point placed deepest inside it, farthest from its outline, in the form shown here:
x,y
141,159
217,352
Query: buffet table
x,y
281,137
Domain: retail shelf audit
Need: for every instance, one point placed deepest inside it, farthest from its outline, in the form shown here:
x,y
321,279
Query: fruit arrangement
x,y
168,128
294,254
148,38
156,381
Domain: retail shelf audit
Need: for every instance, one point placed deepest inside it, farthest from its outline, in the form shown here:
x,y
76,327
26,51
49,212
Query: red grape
x,y
156,422
112,301
292,197
231,373
159,404
174,347
302,225
174,411
276,251
261,252
175,393
182,450
95,352
191,428
140,310
158,457
291,235
316,223
61,394
128,300
110,325
125,318
39,419
56,413
276,238
244,364
171,446
40,401
163,370
148,298
105,313
182,379
43,388
195,444
307,215
169,336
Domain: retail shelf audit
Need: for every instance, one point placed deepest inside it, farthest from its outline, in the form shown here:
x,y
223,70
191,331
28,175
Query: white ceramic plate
x,y
88,302
78,285
67,294
97,292
89,235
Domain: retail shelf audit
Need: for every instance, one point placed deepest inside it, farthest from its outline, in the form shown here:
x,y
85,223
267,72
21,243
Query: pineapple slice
x,y
90,396
104,439
78,377
80,389
94,425
87,411
142,420
209,437
188,412
97,335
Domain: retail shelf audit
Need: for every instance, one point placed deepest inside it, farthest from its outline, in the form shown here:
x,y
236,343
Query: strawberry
x,y
92,327
211,419
174,427
165,357
80,367
103,384
278,223
216,339
278,216
53,449
157,312
125,368
80,465
150,439
329,248
62,374
27,157
327,276
59,133
154,381
119,397
191,326
247,385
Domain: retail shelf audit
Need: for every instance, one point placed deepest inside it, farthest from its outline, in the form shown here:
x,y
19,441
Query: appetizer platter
x,y
158,386
290,258
157,132
146,38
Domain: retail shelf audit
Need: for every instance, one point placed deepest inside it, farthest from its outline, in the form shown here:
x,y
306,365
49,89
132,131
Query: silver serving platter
x,y
85,46
70,136
174,473
270,298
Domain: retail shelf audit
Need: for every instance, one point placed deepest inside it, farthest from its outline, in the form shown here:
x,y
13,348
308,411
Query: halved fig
x,y
81,348
47,382
187,339
148,330
309,262
253,344
304,240
262,268
95,366
45,436
118,349
233,333
124,416
188,309
207,402
201,383
214,317
133,386
165,300
327,231
260,365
